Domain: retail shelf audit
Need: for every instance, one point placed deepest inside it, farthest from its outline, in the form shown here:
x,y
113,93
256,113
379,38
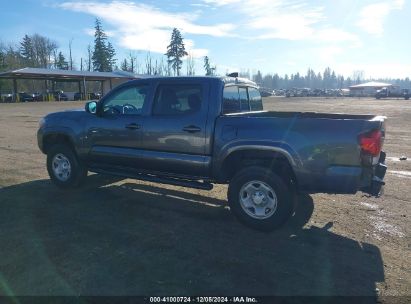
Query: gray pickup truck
x,y
199,131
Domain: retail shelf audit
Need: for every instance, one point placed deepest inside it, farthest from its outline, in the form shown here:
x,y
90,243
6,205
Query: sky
x,y
273,36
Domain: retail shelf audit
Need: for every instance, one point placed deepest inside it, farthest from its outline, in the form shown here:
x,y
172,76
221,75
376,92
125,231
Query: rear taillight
x,y
371,142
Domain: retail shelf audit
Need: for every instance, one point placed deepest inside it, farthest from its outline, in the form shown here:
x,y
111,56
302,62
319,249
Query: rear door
x,y
174,134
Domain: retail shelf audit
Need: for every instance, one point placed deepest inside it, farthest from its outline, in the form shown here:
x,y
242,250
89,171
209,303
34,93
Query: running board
x,y
157,179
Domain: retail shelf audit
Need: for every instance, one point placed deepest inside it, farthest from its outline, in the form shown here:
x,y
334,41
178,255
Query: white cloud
x,y
221,2
278,18
288,20
143,27
328,54
372,16
196,53
335,35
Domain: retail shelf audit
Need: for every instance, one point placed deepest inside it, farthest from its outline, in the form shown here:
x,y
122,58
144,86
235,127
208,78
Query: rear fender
x,y
275,147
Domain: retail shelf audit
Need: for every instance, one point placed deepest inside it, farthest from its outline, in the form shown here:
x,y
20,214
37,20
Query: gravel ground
x,y
125,237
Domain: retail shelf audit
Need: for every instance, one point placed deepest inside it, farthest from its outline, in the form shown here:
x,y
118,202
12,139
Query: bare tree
x,y
55,58
190,65
133,61
51,47
162,68
37,50
358,76
149,64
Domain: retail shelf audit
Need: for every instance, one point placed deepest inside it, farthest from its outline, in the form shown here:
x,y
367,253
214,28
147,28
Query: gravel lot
x,y
125,237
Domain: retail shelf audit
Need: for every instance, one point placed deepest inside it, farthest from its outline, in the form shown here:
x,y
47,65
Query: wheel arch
x,y
275,158
56,137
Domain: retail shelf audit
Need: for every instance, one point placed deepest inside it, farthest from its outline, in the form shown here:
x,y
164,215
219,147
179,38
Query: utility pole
x,y
71,58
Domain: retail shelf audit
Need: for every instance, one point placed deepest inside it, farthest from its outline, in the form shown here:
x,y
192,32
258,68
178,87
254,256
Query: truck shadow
x,y
137,239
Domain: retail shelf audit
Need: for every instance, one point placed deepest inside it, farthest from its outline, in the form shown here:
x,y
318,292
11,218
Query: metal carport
x,y
108,79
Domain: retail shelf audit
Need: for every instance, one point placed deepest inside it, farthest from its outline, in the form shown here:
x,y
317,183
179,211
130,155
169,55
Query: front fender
x,y
67,132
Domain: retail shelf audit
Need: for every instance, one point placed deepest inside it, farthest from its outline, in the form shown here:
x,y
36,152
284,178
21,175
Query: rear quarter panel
x,y
323,152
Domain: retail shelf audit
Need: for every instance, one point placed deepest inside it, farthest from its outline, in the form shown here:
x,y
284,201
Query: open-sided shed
x,y
368,88
108,80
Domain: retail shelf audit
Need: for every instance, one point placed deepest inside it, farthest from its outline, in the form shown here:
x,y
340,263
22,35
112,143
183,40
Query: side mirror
x,y
91,107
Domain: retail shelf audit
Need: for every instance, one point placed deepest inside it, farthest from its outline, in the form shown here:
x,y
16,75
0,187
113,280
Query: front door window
x,y
129,101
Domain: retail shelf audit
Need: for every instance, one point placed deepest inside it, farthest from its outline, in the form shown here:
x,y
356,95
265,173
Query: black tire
x,y
78,172
283,193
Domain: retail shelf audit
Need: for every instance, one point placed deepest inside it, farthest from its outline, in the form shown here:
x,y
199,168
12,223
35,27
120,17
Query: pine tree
x,y
101,57
207,66
176,51
2,60
258,78
61,63
27,51
111,53
124,65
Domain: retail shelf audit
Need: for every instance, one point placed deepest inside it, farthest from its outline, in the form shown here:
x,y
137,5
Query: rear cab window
x,y
237,99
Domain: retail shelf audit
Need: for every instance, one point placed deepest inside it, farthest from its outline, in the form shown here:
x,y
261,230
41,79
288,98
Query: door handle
x,y
191,129
133,126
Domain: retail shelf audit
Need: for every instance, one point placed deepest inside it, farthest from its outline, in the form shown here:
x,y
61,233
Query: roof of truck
x,y
226,79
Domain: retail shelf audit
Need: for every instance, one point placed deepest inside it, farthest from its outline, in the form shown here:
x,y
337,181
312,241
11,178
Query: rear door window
x,y
241,99
244,105
256,102
231,102
178,99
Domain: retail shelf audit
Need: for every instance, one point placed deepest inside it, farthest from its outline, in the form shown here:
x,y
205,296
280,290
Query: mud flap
x,y
377,183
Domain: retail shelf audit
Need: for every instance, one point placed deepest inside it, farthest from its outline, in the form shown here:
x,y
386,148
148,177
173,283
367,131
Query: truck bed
x,y
324,147
265,114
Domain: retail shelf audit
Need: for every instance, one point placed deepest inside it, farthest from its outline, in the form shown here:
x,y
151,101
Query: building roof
x,y
371,84
39,73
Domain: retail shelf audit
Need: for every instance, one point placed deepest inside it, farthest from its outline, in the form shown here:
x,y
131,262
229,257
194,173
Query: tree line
x,y
326,80
39,51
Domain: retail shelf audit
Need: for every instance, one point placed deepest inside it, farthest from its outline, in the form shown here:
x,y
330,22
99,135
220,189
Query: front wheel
x,y
260,198
64,168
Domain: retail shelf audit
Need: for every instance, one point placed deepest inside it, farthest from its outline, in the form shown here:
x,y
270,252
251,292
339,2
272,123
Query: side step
x,y
157,179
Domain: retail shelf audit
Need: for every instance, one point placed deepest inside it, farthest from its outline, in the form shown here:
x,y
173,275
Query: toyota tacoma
x,y
199,131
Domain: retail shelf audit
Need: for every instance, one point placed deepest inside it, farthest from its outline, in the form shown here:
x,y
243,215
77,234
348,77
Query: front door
x,y
115,134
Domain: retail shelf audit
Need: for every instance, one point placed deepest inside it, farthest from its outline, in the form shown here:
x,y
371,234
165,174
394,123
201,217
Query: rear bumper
x,y
376,186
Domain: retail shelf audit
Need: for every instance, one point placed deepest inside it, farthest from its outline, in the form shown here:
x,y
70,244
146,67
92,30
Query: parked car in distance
x,y
265,92
393,92
37,96
77,96
60,96
94,96
25,97
198,131
90,96
8,97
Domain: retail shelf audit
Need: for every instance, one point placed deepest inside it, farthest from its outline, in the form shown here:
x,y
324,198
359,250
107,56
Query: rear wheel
x,y
64,168
260,198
